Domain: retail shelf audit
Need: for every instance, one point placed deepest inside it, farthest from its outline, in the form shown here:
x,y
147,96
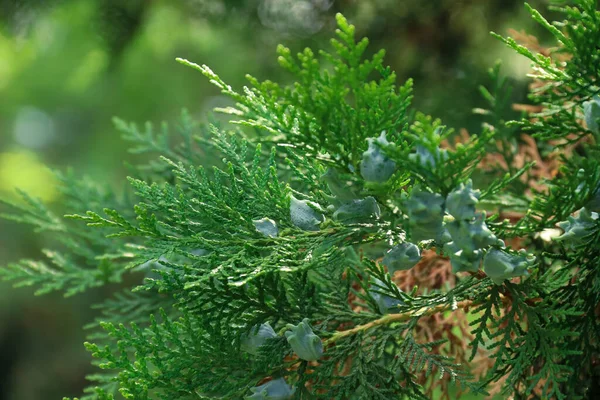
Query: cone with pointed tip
x,y
466,263
460,203
576,228
425,215
304,342
470,236
304,216
375,165
401,257
500,265
266,226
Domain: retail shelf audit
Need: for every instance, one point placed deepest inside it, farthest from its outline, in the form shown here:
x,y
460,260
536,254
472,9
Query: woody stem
x,y
390,318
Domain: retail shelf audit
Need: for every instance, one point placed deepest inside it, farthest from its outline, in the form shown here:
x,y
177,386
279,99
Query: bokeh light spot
x,y
25,171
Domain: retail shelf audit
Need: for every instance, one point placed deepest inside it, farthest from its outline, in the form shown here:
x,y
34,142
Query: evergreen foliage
x,y
276,255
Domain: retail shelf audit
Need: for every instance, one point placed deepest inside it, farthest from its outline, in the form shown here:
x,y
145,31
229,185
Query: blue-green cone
x,y
304,216
460,203
425,215
500,265
257,336
386,304
461,261
375,165
576,228
266,226
277,389
401,257
304,342
464,263
358,211
469,236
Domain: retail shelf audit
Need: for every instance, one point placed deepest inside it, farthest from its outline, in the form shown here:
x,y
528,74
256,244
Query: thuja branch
x,y
245,252
400,317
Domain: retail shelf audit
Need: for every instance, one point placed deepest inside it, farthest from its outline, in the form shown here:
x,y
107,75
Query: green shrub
x,y
337,244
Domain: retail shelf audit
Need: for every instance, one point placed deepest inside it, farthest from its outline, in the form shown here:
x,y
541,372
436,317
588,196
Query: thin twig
x,y
390,318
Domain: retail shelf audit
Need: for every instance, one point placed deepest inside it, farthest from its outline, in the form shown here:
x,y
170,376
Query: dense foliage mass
x,y
338,244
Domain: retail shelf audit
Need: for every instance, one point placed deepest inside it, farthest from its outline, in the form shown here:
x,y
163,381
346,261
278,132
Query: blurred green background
x,y
68,67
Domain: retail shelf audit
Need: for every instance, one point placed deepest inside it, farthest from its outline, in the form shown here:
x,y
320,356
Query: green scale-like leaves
x,y
266,257
86,257
329,112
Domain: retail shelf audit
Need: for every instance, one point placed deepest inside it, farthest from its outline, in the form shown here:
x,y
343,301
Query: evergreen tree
x,y
342,245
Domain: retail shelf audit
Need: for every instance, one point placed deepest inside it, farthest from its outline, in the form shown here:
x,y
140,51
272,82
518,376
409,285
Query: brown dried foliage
x,y
435,272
